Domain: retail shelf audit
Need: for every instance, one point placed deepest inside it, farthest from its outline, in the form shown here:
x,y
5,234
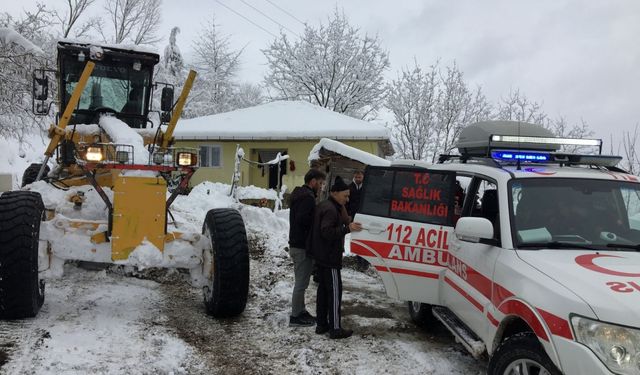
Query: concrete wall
x,y
252,175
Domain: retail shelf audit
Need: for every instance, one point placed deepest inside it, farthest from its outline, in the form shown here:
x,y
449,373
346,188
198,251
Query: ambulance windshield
x,y
586,213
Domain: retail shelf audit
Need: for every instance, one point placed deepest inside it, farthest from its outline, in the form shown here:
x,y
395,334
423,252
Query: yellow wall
x,y
250,174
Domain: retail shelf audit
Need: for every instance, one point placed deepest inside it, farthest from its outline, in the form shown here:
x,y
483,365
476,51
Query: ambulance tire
x,y
31,173
225,295
421,314
21,290
521,349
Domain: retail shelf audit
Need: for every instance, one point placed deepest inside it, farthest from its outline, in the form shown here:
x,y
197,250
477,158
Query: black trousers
x,y
329,297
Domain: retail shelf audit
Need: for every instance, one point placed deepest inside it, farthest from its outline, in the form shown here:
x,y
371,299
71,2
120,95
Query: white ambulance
x,y
524,252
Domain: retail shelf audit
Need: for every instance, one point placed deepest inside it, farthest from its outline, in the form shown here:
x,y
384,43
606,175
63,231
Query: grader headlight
x,y
187,159
122,157
94,154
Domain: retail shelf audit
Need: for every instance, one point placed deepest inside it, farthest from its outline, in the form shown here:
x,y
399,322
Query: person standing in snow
x,y
302,207
326,245
355,190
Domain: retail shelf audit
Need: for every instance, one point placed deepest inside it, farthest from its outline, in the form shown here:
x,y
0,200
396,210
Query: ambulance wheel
x,y
31,173
521,354
226,263
21,290
420,314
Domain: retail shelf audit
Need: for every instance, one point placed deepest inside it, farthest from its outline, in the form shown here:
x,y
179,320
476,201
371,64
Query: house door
x,y
274,172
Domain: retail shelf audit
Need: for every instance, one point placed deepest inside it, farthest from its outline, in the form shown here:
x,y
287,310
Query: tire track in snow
x,y
98,323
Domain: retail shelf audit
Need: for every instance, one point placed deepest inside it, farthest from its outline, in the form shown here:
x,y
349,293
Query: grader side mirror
x,y
40,93
40,88
166,102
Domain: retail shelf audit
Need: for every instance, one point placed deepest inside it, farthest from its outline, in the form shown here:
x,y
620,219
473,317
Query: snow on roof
x,y
348,151
9,36
279,120
144,48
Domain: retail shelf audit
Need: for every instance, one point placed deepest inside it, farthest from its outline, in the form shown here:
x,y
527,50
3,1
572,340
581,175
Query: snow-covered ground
x,y
116,322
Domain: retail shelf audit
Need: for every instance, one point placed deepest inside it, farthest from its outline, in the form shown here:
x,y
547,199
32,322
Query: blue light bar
x,y
520,156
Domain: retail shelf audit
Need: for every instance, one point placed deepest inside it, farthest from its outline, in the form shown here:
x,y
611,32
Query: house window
x,y
211,156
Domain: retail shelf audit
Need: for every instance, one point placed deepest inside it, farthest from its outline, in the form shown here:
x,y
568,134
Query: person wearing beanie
x,y
326,245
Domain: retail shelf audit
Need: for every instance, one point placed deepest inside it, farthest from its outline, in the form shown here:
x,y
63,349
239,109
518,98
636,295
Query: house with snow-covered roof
x,y
290,128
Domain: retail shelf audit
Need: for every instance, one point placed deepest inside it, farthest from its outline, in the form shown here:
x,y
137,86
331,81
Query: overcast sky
x,y
581,59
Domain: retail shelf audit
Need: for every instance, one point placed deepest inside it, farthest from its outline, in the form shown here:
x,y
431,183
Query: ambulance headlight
x,y
94,154
616,346
187,159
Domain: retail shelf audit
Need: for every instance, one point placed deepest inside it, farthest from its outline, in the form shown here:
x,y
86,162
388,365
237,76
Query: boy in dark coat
x,y
326,245
301,209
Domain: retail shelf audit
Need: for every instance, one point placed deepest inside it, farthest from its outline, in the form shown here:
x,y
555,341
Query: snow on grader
x,y
106,198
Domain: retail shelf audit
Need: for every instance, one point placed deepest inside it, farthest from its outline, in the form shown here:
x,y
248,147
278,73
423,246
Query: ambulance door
x,y
407,216
467,286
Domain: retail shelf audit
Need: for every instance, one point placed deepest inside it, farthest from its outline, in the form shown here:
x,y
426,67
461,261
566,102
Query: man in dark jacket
x,y
301,209
326,245
355,190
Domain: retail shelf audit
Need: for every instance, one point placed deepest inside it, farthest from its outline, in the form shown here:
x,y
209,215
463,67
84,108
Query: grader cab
x,y
104,182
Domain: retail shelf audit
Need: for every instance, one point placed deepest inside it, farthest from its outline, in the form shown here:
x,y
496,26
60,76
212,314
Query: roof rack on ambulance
x,y
512,142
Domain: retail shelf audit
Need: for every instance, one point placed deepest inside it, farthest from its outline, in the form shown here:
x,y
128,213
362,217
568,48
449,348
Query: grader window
x,y
113,87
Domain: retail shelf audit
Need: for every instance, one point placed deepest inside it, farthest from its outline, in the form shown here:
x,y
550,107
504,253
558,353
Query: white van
x,y
526,253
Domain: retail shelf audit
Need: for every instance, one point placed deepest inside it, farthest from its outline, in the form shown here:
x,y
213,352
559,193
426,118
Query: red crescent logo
x,y
586,261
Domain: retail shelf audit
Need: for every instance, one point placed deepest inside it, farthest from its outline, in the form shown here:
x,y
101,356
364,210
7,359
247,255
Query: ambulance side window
x,y
409,194
423,196
377,192
485,203
463,184
631,201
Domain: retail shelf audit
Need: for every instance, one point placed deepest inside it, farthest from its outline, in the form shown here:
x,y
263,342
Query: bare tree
x,y
69,19
136,21
332,65
458,106
217,64
412,100
22,42
431,109
246,95
517,107
631,158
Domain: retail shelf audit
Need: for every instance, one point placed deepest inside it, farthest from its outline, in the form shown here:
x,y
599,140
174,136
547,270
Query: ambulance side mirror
x,y
475,230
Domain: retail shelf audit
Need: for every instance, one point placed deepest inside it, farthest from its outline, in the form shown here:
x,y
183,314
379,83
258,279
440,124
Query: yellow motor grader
x,y
104,148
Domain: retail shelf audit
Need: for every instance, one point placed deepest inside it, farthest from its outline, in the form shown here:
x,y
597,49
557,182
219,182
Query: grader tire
x,y
226,294
21,291
31,173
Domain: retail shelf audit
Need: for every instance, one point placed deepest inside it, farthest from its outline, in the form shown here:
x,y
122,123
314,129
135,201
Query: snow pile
x,y
348,151
15,157
120,133
84,129
93,207
146,255
10,36
267,229
253,192
279,120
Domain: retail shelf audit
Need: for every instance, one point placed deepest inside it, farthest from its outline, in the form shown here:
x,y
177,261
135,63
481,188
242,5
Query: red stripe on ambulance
x,y
494,292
